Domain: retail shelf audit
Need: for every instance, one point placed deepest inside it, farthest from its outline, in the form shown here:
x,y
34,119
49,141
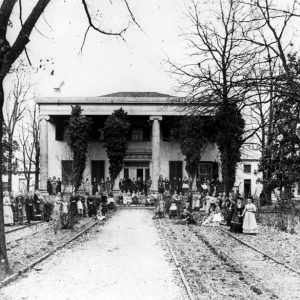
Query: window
x,y
205,170
247,169
67,172
137,134
61,129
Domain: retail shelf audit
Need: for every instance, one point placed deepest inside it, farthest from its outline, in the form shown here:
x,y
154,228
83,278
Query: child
x,y
127,199
186,218
110,201
99,216
80,207
65,212
173,210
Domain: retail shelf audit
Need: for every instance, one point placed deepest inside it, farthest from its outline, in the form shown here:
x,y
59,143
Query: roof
x,y
136,98
137,94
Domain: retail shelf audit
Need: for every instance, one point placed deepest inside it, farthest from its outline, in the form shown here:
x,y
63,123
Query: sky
x,y
107,64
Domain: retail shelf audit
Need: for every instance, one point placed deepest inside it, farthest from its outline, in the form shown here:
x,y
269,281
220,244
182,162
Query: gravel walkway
x,y
124,260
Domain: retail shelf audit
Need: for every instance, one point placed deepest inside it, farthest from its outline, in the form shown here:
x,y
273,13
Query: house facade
x,y
150,151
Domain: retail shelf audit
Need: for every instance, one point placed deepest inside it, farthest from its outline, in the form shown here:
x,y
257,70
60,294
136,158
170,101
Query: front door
x,y
140,173
175,170
98,170
247,188
135,169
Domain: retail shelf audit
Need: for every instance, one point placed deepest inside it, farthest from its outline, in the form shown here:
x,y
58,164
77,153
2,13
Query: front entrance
x,y
135,169
247,188
98,170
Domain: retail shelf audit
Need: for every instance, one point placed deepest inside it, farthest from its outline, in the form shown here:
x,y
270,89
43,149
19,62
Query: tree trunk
x,y
9,162
3,252
37,164
28,181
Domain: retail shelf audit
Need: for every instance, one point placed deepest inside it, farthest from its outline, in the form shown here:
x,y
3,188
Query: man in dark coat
x,y
94,186
91,206
49,186
73,209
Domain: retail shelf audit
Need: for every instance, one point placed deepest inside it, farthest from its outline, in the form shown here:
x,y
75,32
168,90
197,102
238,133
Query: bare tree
x,y
29,143
216,79
15,106
273,33
10,52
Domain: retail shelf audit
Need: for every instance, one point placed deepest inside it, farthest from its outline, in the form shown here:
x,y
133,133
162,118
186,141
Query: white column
x,y
43,153
155,150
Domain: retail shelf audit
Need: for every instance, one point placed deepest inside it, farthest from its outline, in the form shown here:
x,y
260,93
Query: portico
x,y
149,153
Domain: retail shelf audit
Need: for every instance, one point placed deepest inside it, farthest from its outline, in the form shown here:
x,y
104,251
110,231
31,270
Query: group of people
x,y
231,211
228,210
68,212
128,185
178,185
54,185
176,206
21,208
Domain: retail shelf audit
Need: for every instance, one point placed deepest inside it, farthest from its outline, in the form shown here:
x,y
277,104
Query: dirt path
x,y
125,260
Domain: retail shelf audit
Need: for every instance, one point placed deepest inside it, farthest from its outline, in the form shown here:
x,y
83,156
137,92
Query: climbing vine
x,y
229,125
194,134
78,130
117,132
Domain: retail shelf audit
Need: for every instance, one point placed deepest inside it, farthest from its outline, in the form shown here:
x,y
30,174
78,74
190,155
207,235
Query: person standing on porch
x,y
167,184
174,185
161,184
102,186
198,184
94,186
148,185
107,185
53,182
121,185
58,185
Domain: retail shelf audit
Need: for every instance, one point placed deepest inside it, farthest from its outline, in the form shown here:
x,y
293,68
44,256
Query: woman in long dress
x,y
249,223
8,213
57,213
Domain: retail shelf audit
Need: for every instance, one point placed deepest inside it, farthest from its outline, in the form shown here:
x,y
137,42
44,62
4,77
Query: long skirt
x,y
29,212
15,213
47,211
24,213
20,215
236,224
8,215
249,223
57,220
